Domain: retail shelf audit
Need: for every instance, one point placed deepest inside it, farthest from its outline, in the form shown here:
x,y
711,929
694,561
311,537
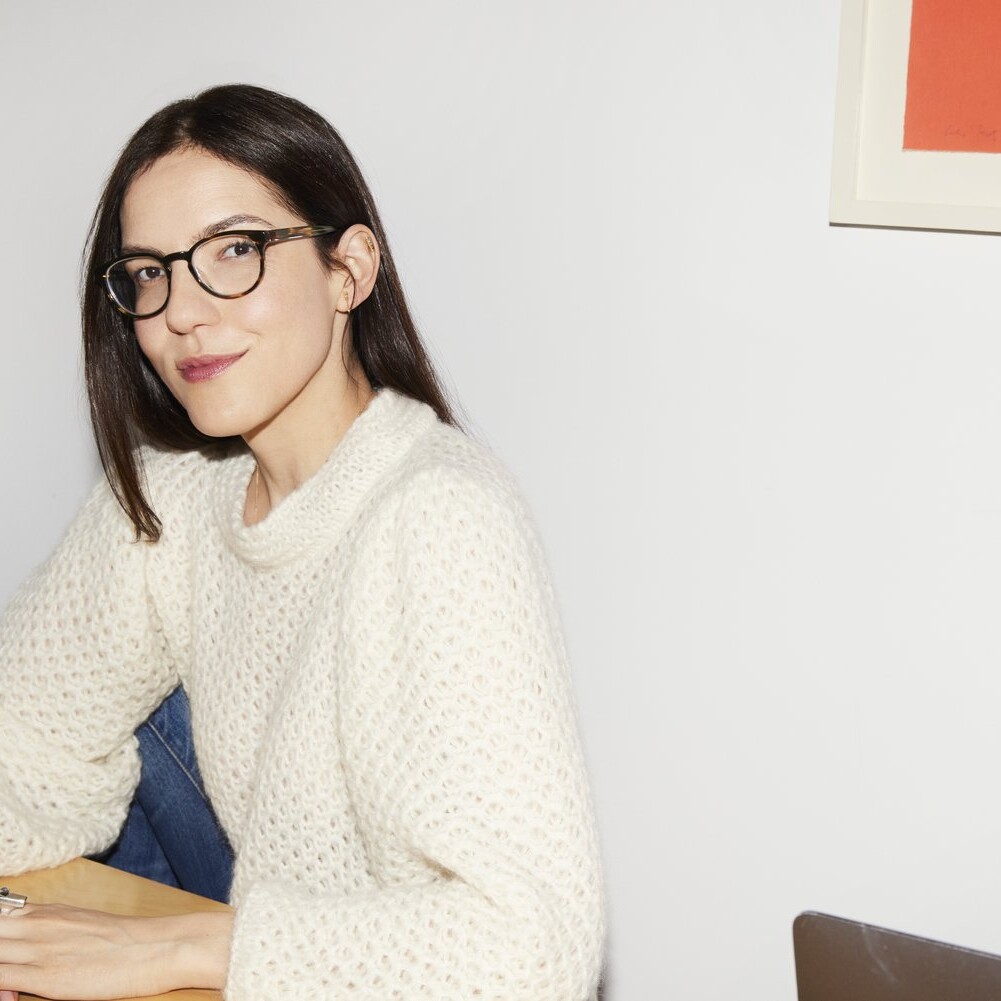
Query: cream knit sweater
x,y
380,704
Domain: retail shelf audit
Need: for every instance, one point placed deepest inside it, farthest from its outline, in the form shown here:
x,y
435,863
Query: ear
x,y
358,251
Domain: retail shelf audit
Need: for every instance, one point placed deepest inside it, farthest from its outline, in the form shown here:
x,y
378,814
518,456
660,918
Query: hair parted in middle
x,y
304,162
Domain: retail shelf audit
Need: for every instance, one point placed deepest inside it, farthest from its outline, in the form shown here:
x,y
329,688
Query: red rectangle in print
x,y
954,76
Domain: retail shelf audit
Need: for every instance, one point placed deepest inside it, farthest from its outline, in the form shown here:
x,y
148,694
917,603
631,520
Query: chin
x,y
217,425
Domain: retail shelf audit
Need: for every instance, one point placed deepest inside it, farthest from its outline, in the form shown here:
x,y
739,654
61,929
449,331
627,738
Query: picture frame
x,y
874,180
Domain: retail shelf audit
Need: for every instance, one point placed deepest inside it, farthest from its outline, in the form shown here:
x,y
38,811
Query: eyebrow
x,y
216,227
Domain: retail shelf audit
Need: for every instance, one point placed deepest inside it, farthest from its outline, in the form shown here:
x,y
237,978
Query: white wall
x,y
762,452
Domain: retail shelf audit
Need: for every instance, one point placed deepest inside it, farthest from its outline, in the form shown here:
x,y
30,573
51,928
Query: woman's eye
x,y
147,275
238,248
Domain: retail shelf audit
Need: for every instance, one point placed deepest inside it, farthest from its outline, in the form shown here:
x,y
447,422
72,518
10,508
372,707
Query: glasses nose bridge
x,y
181,255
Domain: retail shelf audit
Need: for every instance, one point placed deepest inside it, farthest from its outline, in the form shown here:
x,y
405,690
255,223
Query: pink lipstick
x,y
205,367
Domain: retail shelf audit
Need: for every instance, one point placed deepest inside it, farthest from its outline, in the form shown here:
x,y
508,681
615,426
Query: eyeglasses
x,y
227,265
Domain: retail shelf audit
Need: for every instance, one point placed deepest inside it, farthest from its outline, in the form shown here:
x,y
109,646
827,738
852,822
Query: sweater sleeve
x,y
463,749
81,665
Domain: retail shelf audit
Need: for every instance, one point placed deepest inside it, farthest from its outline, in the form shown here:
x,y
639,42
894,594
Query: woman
x,y
349,589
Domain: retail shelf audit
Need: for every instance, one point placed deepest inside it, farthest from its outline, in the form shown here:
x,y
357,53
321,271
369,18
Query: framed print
x,y
917,134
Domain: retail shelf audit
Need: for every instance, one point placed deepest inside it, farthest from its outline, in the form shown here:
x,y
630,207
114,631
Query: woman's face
x,y
234,364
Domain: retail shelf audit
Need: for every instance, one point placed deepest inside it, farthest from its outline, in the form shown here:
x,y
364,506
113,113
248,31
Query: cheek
x,y
293,325
152,346
156,342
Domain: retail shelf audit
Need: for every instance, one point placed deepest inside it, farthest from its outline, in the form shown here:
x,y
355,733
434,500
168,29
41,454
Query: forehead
x,y
185,191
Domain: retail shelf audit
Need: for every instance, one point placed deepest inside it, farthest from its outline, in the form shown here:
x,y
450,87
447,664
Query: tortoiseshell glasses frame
x,y
115,272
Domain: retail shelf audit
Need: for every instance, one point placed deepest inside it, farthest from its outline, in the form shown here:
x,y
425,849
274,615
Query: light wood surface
x,y
87,884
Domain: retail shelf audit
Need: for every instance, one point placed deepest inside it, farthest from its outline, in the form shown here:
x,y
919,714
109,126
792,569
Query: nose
x,y
188,305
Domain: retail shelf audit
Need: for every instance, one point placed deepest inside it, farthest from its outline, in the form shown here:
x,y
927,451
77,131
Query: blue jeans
x,y
171,834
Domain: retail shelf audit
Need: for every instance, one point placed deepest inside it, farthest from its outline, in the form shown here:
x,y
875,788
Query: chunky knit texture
x,y
380,704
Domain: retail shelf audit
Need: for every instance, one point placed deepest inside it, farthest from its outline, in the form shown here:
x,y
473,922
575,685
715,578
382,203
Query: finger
x,y
8,995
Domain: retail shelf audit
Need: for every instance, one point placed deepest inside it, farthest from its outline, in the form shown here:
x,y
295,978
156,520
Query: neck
x,y
291,447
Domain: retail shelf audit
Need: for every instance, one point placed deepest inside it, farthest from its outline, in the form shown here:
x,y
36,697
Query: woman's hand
x,y
68,952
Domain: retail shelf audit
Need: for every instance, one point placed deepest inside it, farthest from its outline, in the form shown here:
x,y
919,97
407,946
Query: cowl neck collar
x,y
319,510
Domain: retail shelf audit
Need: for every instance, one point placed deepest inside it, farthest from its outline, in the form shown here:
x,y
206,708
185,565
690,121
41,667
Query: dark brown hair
x,y
304,162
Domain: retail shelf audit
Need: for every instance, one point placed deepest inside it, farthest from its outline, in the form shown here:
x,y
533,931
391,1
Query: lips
x,y
205,367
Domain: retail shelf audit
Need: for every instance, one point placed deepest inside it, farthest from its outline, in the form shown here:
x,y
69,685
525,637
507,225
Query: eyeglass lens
x,y
228,265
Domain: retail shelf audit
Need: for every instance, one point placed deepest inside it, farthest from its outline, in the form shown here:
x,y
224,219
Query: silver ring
x,y
11,901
